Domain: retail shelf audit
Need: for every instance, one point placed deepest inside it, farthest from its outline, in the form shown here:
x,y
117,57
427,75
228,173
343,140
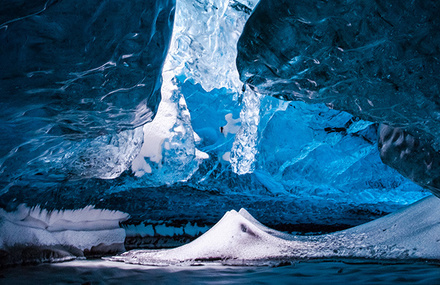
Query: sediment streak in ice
x,y
410,233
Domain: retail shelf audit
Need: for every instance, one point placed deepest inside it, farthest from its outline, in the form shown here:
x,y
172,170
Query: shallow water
x,y
301,272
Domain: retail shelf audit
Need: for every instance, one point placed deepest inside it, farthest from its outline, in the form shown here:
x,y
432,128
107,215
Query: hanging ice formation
x,y
244,148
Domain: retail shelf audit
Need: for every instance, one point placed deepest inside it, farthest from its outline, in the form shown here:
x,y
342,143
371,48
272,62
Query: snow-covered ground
x,y
411,233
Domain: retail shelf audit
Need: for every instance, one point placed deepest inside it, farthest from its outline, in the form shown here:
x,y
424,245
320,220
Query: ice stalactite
x,y
244,149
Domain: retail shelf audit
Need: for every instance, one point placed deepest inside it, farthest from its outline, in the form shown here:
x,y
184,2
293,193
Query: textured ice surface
x,y
170,150
411,156
377,60
83,228
77,78
311,180
304,150
94,69
168,153
204,41
407,234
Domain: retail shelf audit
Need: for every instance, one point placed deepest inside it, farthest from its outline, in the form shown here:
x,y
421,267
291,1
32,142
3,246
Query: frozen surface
x,y
244,149
411,233
203,51
168,154
204,43
207,128
414,158
295,149
228,130
305,272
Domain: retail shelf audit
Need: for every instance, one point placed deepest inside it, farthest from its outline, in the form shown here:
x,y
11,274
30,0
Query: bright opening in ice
x,y
202,50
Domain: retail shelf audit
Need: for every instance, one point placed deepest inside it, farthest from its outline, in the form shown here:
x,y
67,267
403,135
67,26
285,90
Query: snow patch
x,y
232,126
83,228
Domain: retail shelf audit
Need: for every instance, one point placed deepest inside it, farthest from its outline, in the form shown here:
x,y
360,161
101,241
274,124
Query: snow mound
x,y
411,233
233,237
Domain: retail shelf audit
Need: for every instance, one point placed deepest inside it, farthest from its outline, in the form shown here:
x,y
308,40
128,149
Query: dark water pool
x,y
304,272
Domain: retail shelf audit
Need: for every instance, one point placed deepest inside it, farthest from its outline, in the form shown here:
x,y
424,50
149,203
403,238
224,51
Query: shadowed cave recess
x,y
315,116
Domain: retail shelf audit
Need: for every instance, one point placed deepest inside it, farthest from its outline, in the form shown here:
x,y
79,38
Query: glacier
x,y
166,114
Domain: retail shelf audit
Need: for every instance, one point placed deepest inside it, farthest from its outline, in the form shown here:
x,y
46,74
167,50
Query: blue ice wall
x,y
304,151
378,60
77,78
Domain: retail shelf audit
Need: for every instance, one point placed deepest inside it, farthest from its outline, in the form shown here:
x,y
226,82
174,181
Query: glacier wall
x,y
376,60
320,156
78,79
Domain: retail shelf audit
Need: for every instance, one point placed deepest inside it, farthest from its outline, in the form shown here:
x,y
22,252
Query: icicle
x,y
244,149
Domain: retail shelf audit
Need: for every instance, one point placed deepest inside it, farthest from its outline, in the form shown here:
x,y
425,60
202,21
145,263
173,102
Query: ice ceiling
x,y
164,110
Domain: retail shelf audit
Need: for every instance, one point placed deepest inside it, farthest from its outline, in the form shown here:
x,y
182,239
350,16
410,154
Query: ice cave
x,y
219,141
